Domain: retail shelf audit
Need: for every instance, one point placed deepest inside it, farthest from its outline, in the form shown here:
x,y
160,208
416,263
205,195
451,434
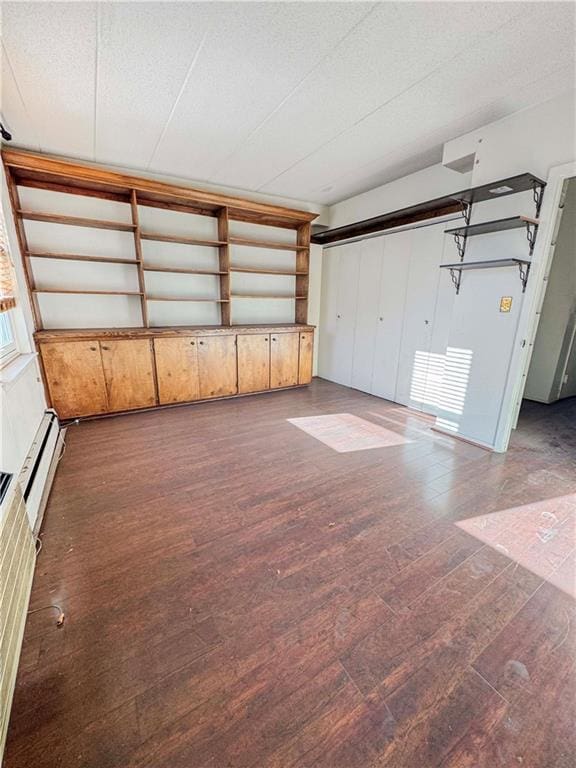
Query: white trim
x,y
13,370
529,314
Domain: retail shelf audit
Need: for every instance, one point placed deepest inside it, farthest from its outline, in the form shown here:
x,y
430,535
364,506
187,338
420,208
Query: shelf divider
x,y
138,248
224,264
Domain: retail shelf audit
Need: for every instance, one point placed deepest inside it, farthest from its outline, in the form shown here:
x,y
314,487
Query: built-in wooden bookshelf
x,y
29,170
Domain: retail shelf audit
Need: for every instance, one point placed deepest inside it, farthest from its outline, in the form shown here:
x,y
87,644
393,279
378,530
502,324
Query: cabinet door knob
x,y
381,319
192,343
338,316
93,349
201,342
266,338
106,348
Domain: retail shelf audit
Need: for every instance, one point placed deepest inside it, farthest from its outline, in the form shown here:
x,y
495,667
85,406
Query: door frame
x,y
532,304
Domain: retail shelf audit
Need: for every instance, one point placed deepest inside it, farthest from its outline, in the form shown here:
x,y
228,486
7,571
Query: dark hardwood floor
x,y
241,595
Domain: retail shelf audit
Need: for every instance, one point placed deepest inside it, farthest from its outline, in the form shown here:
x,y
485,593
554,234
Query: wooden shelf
x,y
162,238
266,244
98,293
498,225
185,298
76,221
58,176
259,271
260,296
178,270
78,257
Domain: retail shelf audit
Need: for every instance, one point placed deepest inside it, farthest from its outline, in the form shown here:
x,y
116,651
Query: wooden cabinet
x,y
305,358
253,362
92,372
217,366
284,350
177,369
128,373
75,378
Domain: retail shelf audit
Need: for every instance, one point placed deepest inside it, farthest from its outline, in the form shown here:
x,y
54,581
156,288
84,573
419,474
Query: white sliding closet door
x,y
338,313
366,327
348,271
416,370
390,317
328,343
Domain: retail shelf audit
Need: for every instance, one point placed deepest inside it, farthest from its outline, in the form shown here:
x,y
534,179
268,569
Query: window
x,y
8,348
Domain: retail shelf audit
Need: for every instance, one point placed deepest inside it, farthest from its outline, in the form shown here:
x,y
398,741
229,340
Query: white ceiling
x,y
315,101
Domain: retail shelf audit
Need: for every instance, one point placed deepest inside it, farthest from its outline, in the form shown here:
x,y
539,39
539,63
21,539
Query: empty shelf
x,y
499,225
79,257
159,237
464,265
99,293
178,270
185,298
267,244
263,271
76,221
266,296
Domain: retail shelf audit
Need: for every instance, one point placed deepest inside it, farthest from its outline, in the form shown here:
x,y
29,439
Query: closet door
x,y
395,264
366,326
328,314
348,272
417,367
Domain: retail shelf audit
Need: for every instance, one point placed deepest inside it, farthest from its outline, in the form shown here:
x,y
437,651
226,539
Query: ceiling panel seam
x,y
30,121
96,66
294,90
386,103
191,68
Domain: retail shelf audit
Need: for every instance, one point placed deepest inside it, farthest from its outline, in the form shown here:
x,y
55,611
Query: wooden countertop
x,y
78,334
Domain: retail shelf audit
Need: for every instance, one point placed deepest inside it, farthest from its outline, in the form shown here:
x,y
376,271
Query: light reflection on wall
x,y
441,382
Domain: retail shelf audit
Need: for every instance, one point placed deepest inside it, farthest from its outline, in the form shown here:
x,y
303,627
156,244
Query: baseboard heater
x,y
39,468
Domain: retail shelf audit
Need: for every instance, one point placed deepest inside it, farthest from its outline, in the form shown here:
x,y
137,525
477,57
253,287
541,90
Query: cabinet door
x,y
128,373
253,362
365,328
284,348
217,366
306,357
75,378
177,369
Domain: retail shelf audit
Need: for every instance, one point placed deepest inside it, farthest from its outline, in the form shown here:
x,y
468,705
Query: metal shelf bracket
x,y
456,277
531,230
460,246
524,270
538,194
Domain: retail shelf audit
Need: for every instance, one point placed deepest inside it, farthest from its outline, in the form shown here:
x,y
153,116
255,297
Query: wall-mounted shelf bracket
x,y
531,230
524,269
460,241
466,210
456,277
538,194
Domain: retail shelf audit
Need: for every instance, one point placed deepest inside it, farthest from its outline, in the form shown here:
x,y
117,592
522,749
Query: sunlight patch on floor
x,y
540,536
344,432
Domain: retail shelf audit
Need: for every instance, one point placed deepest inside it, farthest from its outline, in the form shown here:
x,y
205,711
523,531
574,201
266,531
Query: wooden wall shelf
x,y
31,170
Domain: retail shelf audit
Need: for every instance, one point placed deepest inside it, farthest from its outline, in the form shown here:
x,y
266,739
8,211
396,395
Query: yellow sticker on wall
x,y
505,303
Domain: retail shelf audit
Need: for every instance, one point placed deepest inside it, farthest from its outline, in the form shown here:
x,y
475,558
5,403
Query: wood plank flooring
x,y
240,595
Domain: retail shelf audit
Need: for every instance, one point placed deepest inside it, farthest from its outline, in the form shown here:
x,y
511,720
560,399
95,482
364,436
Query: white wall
x,y
22,401
533,140
552,345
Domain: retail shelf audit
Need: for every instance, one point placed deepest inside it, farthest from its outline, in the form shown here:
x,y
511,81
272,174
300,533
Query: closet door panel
x,y
328,314
416,370
348,272
390,314
365,329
